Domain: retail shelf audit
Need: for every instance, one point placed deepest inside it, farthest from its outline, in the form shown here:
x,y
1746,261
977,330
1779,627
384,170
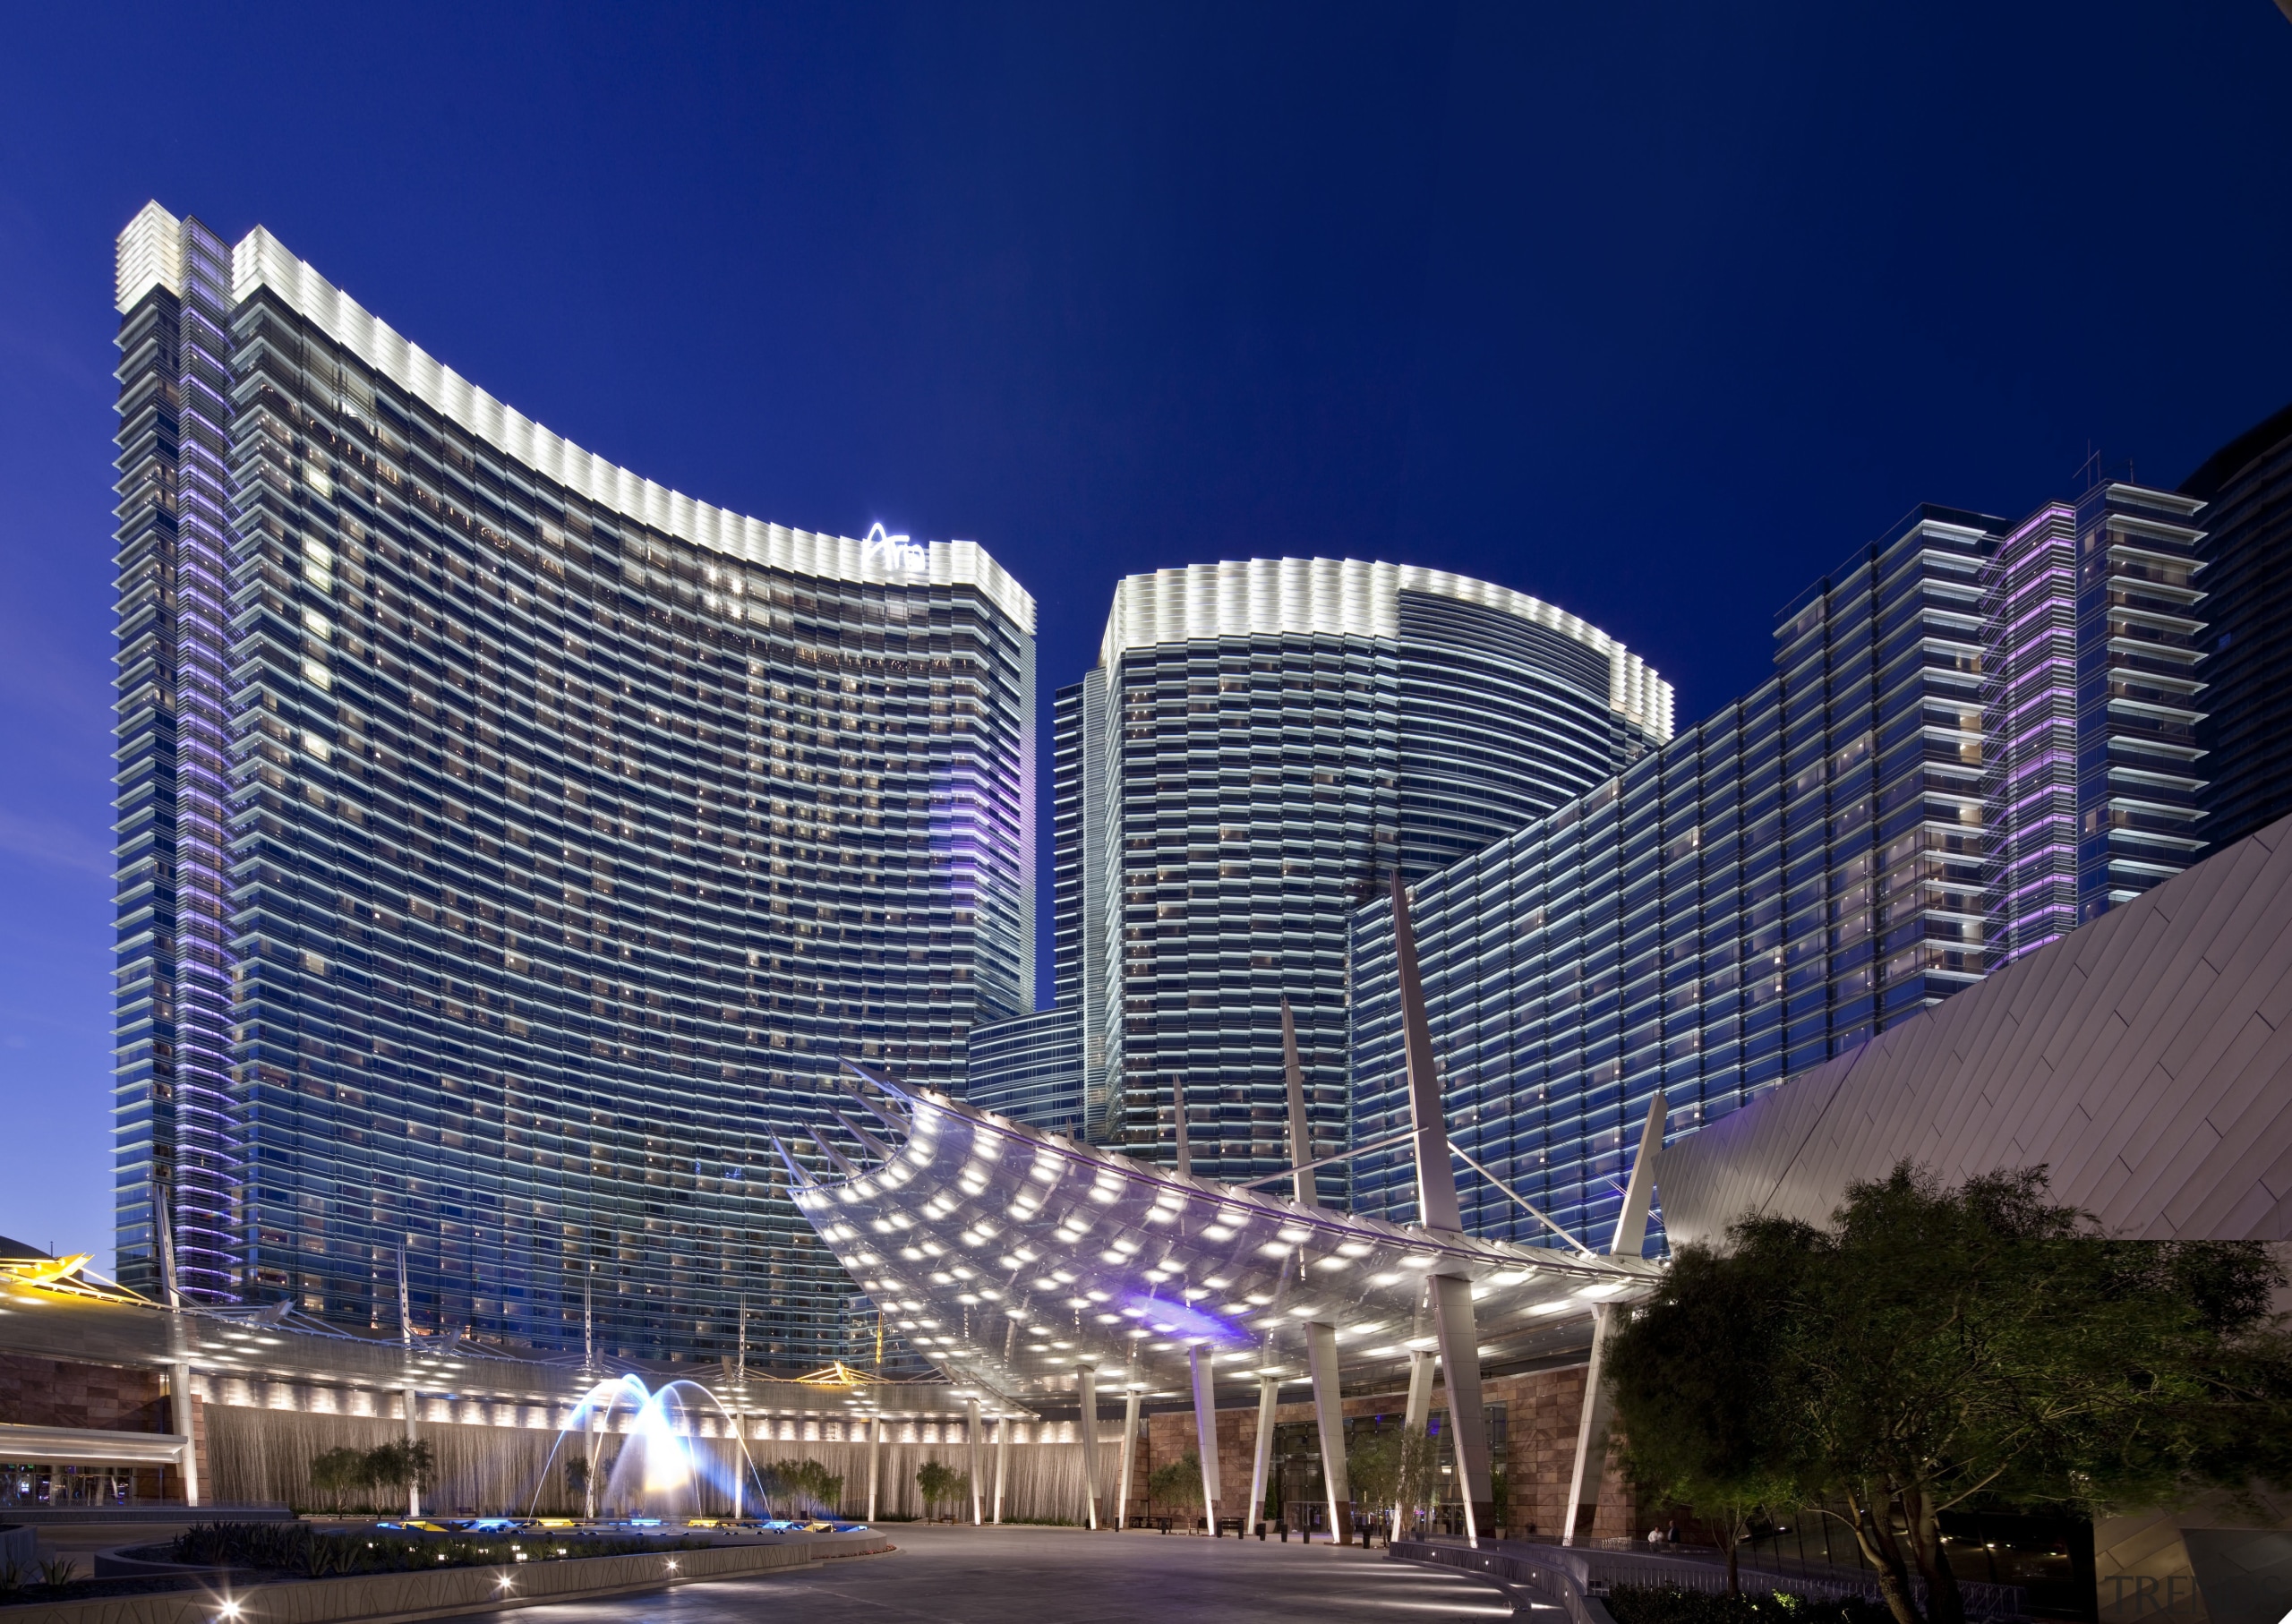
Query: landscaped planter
x,y
396,1598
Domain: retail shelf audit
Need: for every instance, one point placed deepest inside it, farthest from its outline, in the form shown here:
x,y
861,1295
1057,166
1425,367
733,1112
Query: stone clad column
x,y
1205,1431
1088,1380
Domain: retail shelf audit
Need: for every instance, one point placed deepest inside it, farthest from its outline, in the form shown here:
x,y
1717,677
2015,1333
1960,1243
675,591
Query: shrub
x,y
942,1484
1670,1605
297,1548
337,1474
812,1481
1178,1483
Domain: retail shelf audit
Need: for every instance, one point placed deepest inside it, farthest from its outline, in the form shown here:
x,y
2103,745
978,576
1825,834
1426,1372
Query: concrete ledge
x,y
400,1598
117,1564
161,1514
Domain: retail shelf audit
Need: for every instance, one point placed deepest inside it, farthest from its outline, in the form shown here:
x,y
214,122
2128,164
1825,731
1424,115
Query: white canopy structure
x,y
1026,1265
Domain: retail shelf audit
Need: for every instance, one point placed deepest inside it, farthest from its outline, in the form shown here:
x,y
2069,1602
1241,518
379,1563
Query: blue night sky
x,y
1655,311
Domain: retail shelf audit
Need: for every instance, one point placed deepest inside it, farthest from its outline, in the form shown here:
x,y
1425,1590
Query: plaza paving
x,y
1046,1576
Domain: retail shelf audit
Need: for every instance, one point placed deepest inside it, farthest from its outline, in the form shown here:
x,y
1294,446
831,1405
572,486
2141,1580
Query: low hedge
x,y
313,1553
1670,1604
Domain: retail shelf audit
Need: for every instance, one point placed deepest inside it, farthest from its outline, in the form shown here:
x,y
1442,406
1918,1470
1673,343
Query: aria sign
x,y
896,553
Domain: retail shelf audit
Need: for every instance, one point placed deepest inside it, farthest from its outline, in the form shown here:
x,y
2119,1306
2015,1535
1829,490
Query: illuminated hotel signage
x,y
893,553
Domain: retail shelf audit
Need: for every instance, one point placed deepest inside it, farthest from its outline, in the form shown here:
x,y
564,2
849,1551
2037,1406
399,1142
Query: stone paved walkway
x,y
1053,1576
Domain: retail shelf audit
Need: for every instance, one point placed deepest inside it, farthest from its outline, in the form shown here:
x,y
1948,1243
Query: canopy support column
x,y
976,1462
1002,1463
1268,1401
179,1398
1129,1457
1205,1432
1460,1369
1597,1417
1088,1381
875,1467
1329,1411
1437,1210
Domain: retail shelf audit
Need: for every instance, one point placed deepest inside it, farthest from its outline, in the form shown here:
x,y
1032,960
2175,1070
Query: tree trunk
x,y
1876,1536
1944,1603
1734,1579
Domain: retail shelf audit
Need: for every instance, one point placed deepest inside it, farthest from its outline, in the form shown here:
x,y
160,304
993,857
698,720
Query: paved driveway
x,y
1049,1576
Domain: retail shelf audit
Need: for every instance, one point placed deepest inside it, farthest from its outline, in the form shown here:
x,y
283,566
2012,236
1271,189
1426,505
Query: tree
x,y
337,1473
771,1483
577,1478
941,1484
1177,1482
1694,1377
1937,1348
810,1480
404,1465
1393,1468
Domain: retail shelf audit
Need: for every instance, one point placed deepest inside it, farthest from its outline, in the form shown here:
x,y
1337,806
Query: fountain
x,y
657,1472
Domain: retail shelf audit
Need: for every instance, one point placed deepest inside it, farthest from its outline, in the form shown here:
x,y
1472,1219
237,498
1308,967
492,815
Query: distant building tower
x,y
1030,1070
2092,641
2247,733
1977,736
509,846
1258,747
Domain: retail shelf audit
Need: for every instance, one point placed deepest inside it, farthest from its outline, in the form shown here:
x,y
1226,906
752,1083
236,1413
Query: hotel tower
x,y
1261,744
508,847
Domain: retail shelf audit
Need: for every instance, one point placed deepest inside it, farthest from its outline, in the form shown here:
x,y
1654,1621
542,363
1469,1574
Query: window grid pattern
x,y
2030,694
568,860
178,1122
1257,790
2140,639
1030,1070
1066,846
2247,577
1766,890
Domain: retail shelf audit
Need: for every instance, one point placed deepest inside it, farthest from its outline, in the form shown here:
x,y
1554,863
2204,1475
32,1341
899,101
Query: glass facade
x,y
1030,1070
2140,639
1820,861
1259,745
2246,486
177,1123
510,847
2088,684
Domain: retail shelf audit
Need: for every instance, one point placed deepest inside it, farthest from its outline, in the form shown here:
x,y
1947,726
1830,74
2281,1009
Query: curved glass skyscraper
x,y
510,847
1260,745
